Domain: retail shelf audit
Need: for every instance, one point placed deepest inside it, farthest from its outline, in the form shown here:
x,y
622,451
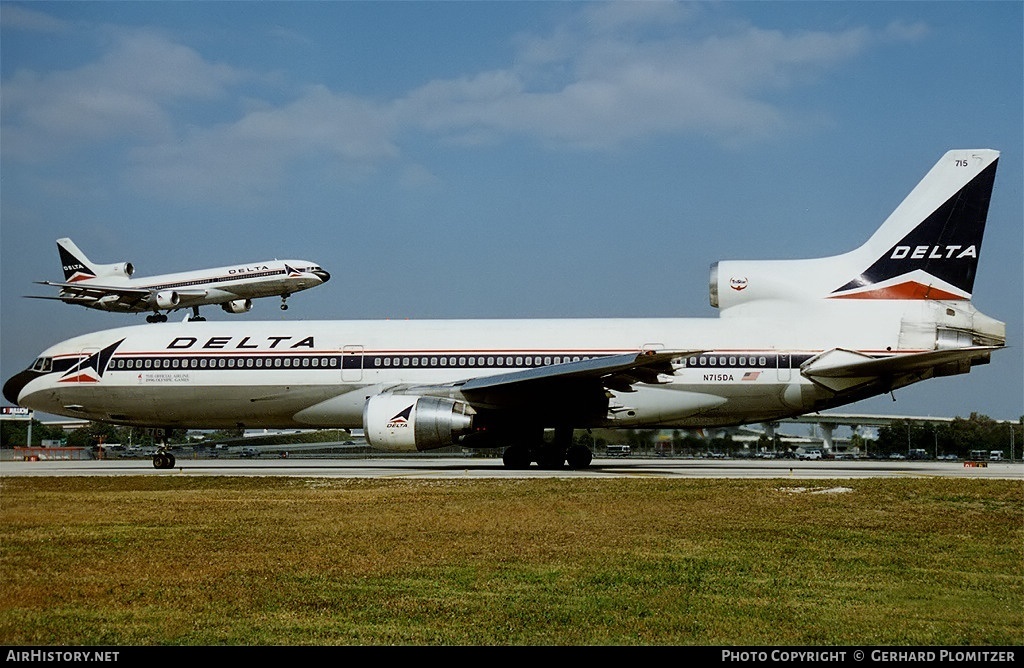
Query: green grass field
x,y
285,561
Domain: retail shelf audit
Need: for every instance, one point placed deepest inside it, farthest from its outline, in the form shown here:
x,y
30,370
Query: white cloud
x,y
613,73
123,96
17,17
614,82
244,161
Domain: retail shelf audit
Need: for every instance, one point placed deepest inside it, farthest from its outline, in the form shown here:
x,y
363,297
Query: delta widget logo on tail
x,y
938,259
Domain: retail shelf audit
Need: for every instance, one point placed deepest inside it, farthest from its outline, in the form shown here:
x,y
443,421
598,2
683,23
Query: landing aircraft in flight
x,y
110,287
792,337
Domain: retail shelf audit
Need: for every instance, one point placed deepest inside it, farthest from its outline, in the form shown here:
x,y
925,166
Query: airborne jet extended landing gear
x,y
195,317
284,302
156,317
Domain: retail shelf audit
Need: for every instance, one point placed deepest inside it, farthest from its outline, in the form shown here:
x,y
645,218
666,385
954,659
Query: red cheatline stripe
x,y
79,379
909,290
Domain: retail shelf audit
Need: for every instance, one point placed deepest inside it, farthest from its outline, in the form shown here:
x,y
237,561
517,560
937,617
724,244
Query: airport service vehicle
x,y
792,337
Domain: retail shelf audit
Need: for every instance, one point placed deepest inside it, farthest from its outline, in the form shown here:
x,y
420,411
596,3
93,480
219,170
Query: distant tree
x,y
978,432
722,444
959,437
584,437
641,440
225,434
93,434
14,433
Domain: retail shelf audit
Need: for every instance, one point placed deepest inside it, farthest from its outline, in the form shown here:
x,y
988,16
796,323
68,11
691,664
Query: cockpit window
x,y
43,364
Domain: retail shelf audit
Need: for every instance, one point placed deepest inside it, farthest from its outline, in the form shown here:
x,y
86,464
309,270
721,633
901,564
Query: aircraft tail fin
x,y
74,262
928,248
77,266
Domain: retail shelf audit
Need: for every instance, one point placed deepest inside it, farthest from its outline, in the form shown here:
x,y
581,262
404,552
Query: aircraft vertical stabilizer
x,y
77,266
928,248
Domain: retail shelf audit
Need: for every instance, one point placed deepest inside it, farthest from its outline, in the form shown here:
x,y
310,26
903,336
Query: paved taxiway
x,y
466,467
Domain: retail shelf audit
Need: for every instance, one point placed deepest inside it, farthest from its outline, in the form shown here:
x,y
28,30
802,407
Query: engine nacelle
x,y
403,423
119,269
167,299
237,306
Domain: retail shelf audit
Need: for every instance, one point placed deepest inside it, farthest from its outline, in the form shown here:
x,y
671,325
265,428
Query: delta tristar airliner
x,y
792,337
110,287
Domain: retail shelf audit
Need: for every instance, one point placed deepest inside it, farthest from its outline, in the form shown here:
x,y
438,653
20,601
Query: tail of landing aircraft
x,y
77,266
927,249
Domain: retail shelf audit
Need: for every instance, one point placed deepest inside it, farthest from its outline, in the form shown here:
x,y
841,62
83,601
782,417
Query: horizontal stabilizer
x,y
841,363
92,288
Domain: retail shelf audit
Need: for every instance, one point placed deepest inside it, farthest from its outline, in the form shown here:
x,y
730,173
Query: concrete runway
x,y
480,468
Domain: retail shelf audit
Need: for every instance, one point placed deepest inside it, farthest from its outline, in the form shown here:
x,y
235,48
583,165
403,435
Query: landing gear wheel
x,y
579,457
284,307
163,460
551,458
156,317
516,457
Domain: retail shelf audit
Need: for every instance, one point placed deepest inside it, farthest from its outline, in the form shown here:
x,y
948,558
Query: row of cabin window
x,y
218,279
228,363
709,360
489,361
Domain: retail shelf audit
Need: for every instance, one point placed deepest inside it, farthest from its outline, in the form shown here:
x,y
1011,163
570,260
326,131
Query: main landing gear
x,y
548,455
160,317
163,460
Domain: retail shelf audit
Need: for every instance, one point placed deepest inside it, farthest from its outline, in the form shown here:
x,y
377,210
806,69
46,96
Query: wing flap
x,y
572,386
631,367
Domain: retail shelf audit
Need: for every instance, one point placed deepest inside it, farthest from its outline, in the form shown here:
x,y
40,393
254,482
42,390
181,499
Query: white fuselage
x,y
321,373
206,286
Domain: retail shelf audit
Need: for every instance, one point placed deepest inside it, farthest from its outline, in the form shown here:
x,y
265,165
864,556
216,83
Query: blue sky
x,y
493,159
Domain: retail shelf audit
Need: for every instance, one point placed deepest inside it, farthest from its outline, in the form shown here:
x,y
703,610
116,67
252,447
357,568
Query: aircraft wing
x,y
589,379
136,298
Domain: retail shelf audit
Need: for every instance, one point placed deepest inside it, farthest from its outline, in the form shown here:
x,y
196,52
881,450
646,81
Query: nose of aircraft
x,y
15,384
322,275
